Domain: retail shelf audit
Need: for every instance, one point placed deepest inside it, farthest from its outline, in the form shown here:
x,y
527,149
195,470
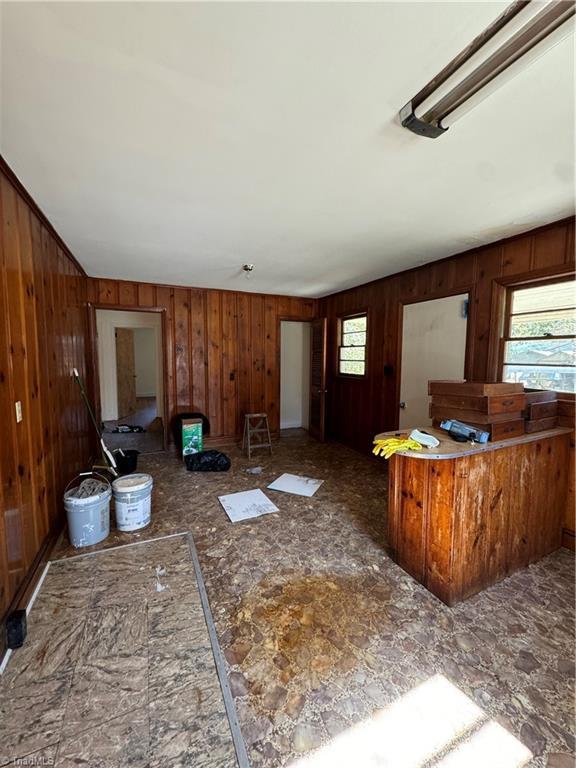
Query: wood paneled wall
x,y
567,418
222,347
222,356
360,408
42,337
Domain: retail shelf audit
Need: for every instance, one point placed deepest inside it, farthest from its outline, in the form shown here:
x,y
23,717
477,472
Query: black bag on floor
x,y
207,461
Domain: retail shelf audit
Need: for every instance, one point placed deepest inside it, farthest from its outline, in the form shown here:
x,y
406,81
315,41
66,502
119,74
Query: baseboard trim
x,y
228,440
569,539
27,590
220,442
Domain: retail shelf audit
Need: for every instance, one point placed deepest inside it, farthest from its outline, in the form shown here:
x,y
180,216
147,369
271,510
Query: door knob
x,y
402,404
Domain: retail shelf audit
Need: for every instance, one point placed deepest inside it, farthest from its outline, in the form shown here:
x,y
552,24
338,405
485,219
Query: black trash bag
x,y
176,426
207,461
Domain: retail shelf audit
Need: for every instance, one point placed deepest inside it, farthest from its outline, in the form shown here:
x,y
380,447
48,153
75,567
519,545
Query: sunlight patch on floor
x,y
491,745
433,724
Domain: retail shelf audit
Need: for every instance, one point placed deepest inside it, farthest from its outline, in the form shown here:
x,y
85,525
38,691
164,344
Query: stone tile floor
x,y
117,668
322,632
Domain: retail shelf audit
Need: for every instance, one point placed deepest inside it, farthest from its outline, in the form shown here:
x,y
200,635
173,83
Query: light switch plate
x,y
18,411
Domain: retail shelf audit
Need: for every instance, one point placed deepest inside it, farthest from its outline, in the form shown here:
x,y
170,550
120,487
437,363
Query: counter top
x,y
450,449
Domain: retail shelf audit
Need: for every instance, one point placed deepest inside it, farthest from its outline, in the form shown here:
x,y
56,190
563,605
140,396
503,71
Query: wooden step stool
x,y
256,424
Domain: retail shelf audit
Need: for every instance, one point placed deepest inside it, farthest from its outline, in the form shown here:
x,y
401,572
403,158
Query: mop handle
x,y
107,454
86,401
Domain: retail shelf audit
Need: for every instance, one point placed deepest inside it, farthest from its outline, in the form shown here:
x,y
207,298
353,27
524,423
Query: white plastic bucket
x,y
89,517
132,501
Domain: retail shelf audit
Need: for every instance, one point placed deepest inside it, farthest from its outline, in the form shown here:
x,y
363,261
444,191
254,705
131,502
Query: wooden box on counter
x,y
541,411
437,412
489,404
498,430
503,430
478,388
496,408
540,396
539,425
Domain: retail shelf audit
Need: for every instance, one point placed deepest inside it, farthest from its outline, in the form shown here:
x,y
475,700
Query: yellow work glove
x,y
392,444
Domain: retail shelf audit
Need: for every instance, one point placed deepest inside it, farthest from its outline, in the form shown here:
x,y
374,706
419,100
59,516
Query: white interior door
x,y
433,347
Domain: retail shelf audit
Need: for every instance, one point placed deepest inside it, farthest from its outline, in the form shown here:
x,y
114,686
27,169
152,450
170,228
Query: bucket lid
x,y
132,483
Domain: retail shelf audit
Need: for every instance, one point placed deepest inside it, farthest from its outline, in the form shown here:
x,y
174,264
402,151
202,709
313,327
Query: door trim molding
x,y
469,293
93,357
279,320
320,435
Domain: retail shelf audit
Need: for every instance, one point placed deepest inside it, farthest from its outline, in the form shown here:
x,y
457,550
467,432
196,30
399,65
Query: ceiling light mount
x,y
520,35
421,127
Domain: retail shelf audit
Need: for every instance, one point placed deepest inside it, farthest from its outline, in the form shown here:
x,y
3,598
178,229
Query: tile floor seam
x,y
149,750
12,760
74,734
229,705
104,550
57,753
75,667
100,723
20,756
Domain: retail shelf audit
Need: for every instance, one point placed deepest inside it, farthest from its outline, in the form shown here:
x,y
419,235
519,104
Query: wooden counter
x,y
462,516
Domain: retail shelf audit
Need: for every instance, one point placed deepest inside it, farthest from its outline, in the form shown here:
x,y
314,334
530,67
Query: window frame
x,y
339,345
507,323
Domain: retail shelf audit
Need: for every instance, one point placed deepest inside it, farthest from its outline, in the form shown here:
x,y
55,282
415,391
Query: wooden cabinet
x,y
463,517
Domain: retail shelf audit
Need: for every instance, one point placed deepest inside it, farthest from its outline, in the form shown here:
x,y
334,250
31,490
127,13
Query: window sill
x,y
352,376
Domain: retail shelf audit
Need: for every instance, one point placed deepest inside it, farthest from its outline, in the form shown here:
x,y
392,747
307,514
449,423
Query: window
x,y
352,346
539,343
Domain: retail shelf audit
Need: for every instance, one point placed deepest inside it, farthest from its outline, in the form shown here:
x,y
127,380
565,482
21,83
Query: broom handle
x,y
87,402
106,453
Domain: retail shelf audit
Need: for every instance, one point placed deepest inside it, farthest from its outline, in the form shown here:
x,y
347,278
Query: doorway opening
x,y
130,365
295,358
433,347
303,376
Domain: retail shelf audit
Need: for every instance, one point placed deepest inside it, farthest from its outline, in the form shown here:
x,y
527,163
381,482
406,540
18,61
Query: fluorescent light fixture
x,y
519,36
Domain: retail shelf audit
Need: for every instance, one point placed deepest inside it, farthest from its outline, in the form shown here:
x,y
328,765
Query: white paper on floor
x,y
247,504
301,486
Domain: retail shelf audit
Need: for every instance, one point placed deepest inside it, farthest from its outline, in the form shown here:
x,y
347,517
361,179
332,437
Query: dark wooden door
x,y
317,424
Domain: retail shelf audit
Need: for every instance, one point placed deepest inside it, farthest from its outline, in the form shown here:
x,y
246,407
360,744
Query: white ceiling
x,y
172,142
